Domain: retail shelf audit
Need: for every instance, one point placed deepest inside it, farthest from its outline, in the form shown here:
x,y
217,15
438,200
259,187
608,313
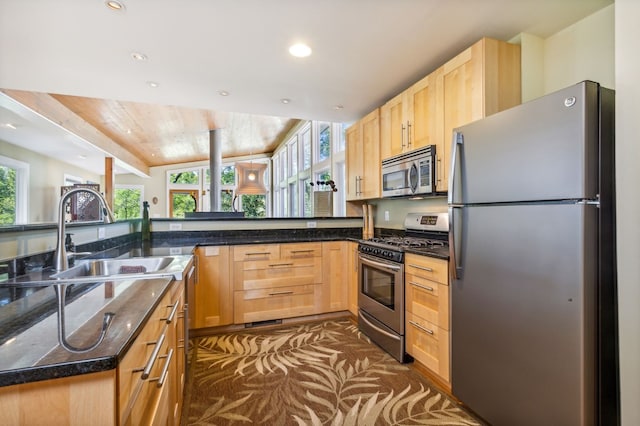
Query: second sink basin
x,y
111,267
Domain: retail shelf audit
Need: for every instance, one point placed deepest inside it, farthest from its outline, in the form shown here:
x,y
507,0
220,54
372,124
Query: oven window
x,y
394,180
379,285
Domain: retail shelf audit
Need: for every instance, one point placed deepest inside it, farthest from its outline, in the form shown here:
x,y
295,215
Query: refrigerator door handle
x,y
455,271
458,139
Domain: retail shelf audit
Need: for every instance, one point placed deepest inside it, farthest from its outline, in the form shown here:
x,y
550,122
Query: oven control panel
x,y
393,255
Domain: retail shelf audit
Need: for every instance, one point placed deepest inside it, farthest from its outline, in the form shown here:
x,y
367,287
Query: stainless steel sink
x,y
113,267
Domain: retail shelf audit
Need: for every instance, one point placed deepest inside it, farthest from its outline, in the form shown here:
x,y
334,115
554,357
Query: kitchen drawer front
x,y
152,401
427,267
256,252
275,303
138,355
300,250
283,272
428,344
428,300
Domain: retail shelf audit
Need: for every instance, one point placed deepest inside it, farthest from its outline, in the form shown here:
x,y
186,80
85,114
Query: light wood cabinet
x,y
480,81
73,401
363,158
335,280
273,281
212,304
408,121
147,375
427,313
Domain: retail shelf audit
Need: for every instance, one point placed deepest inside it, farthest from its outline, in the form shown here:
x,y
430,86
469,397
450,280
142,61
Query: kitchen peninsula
x,y
31,385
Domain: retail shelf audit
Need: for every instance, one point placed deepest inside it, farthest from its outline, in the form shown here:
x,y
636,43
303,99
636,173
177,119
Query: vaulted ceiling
x,y
224,64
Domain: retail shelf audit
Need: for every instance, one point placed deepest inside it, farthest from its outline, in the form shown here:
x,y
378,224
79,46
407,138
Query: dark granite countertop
x,y
29,347
29,328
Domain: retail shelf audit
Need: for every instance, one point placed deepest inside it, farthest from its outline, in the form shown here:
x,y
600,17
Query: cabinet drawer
x,y
284,302
138,355
264,274
256,252
151,402
299,250
427,267
428,300
428,344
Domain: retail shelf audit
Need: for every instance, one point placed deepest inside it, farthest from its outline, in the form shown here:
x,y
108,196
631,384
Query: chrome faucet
x,y
60,261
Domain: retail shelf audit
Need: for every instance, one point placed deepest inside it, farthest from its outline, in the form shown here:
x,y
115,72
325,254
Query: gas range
x,y
425,233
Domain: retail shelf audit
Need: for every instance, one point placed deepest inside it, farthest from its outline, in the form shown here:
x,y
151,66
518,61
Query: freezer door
x,y
545,149
523,333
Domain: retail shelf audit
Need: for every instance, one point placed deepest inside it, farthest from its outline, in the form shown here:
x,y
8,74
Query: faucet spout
x,y
61,261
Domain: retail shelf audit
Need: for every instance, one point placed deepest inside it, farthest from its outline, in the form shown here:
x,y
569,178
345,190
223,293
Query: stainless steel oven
x,y
381,277
381,298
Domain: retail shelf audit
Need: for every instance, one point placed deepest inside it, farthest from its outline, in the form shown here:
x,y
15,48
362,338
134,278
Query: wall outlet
x,y
313,224
386,215
102,233
175,250
175,227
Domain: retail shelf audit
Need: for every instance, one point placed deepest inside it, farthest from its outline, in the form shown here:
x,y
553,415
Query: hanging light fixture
x,y
251,178
251,175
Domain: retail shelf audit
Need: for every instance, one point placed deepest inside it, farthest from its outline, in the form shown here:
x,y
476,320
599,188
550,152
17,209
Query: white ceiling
x,y
364,51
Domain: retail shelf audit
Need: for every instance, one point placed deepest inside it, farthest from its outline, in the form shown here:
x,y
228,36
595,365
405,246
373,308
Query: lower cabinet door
x,y
428,344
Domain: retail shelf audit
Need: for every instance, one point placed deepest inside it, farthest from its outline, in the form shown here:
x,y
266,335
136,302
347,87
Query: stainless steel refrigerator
x,y
533,283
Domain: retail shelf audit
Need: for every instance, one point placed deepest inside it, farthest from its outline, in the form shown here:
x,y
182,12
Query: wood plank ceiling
x,y
148,135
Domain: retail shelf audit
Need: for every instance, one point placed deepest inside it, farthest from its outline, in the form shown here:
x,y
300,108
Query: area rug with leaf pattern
x,y
322,373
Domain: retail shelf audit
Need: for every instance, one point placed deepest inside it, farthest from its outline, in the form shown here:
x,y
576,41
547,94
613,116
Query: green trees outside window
x,y
127,203
7,196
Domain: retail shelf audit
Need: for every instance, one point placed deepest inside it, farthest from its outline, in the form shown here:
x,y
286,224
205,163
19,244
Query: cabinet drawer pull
x,y
424,268
273,265
258,253
172,314
280,293
301,251
165,370
424,287
152,359
419,327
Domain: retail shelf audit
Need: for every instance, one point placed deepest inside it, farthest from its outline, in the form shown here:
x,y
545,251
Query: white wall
x,y
627,34
583,51
46,176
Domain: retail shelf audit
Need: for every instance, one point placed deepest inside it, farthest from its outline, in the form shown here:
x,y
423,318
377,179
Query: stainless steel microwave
x,y
409,173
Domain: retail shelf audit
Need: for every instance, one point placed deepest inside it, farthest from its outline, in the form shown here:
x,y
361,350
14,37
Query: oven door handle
x,y
370,262
378,329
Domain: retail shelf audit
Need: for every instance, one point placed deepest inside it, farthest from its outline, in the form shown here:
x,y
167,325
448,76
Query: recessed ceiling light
x,y
115,5
139,56
9,126
300,50
152,84
82,156
285,100
337,107
223,93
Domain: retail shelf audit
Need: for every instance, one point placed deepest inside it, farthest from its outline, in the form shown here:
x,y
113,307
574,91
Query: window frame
x,y
22,188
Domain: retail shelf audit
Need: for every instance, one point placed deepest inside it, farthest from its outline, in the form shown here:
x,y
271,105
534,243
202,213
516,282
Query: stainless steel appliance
x,y
381,277
409,173
531,204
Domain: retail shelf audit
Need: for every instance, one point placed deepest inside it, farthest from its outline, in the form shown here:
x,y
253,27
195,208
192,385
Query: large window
x,y
127,201
188,190
14,184
315,154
